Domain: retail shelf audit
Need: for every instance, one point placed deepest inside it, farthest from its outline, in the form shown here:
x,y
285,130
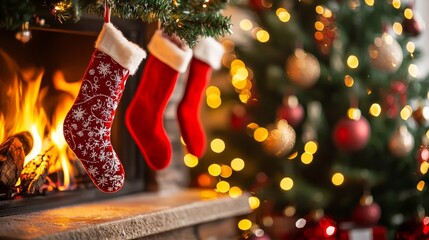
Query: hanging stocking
x,y
87,126
207,56
144,116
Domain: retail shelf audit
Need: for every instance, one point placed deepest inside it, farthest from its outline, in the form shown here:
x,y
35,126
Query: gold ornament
x,y
386,53
280,140
303,68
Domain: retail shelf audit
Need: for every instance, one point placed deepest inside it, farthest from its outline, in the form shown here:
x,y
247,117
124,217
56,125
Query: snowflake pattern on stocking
x,y
87,126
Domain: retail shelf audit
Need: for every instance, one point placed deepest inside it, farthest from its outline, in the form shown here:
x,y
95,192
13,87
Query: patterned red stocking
x,y
144,116
87,126
207,56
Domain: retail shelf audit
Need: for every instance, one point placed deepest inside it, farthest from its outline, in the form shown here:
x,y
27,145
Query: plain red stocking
x,y
87,126
207,56
144,116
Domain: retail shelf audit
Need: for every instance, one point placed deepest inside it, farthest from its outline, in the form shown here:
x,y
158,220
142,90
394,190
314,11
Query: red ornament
x,y
291,111
257,5
352,135
320,227
367,213
239,117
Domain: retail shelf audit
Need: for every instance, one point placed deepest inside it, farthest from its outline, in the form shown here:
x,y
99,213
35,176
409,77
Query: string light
x,y
190,160
246,24
217,145
375,109
369,2
421,185
354,113
214,169
262,36
254,202
319,26
226,171
396,4
319,9
337,179
289,211
408,13
293,155
204,180
244,224
237,164
283,14
235,192
424,167
397,28
222,186
310,147
286,184
352,62
413,70
300,223
411,47
260,134
212,90
406,112
348,81
306,158
213,101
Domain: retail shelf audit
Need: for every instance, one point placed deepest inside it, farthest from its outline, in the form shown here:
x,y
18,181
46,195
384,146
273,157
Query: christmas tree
x,y
327,112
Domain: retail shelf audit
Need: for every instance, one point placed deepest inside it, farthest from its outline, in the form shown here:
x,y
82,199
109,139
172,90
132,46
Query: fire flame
x,y
29,106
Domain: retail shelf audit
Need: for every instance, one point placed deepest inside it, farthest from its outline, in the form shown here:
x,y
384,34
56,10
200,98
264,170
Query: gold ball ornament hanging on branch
x,y
303,69
386,53
280,140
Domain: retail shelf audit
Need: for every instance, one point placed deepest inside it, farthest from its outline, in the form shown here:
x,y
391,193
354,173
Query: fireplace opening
x,y
39,81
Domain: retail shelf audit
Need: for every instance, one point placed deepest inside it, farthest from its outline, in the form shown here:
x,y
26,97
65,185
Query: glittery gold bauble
x,y
281,139
303,68
386,53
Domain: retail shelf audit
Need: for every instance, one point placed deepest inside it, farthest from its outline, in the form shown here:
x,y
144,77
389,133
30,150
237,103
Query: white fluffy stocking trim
x,y
111,42
209,51
169,53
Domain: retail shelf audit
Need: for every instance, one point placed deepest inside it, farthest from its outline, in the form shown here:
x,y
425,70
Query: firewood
x,y
12,155
33,176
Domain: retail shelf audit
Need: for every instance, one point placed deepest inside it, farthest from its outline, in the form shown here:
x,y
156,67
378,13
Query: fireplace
x,y
46,73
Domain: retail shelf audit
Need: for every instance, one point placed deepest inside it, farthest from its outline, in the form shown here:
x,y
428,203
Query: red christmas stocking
x,y
144,116
87,125
207,56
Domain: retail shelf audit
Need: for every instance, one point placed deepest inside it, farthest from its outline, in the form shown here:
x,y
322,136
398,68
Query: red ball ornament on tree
x,y
291,111
352,135
415,25
368,212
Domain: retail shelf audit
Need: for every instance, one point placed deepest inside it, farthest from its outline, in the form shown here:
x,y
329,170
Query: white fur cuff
x,y
169,53
111,42
209,51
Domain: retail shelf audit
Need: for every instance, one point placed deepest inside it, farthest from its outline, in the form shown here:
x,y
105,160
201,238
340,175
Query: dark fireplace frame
x,y
137,174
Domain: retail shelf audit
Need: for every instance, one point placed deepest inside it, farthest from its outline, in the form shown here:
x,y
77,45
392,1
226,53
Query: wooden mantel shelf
x,y
183,214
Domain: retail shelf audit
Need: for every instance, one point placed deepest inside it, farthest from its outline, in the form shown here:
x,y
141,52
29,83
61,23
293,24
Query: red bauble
x,y
257,5
352,135
368,213
239,117
291,111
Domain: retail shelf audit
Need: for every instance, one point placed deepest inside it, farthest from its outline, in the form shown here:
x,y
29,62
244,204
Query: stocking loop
x,y
106,12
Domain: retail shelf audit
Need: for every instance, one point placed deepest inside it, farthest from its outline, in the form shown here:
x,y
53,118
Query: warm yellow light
x,y
408,13
222,186
235,192
352,61
411,47
246,24
318,36
397,28
241,73
396,4
375,109
238,83
337,179
217,145
327,13
306,158
319,9
190,160
182,141
237,164
226,171
254,202
406,112
213,100
413,70
214,170
348,81
369,2
237,63
244,96
262,36
204,180
283,14
319,26
421,185
244,224
424,167
354,113
286,183
310,147
260,134
289,211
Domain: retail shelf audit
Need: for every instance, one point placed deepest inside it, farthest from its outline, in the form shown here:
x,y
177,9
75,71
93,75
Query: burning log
x,y
34,174
12,156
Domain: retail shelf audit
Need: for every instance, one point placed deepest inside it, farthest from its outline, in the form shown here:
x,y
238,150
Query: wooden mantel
x,y
184,214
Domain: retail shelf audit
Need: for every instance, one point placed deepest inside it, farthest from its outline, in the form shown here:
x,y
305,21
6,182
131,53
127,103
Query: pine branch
x,y
188,19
